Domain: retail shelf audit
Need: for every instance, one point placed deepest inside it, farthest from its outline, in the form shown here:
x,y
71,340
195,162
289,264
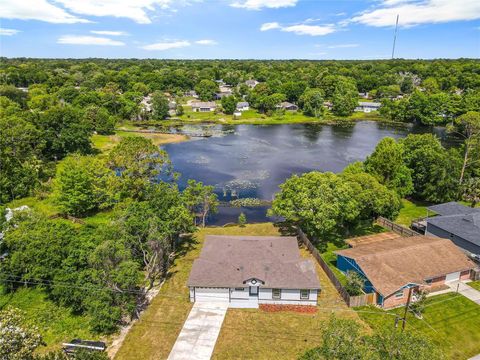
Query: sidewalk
x,y
465,290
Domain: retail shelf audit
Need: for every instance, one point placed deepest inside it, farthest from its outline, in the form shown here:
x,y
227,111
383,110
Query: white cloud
x,y
341,46
206,42
416,12
109,33
301,29
88,40
259,4
36,10
8,32
161,46
135,10
270,26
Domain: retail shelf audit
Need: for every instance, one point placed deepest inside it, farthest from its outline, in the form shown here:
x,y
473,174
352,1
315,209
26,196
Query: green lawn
x,y
475,284
45,206
411,210
56,324
451,321
246,333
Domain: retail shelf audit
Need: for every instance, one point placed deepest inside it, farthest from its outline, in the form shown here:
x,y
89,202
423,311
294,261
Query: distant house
x,y
456,222
246,271
367,106
287,106
191,93
24,89
243,106
391,265
225,90
146,104
201,106
251,83
328,105
363,95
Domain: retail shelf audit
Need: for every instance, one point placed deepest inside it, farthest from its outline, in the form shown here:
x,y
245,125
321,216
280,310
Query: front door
x,y
253,291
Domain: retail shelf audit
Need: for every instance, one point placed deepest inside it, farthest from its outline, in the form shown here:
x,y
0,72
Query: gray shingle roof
x,y
229,261
452,208
465,226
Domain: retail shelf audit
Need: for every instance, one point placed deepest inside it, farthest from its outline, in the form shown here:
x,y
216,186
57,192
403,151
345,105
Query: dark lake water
x,y
251,160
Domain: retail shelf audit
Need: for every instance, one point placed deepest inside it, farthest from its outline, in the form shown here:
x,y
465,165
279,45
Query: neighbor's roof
x,y
229,261
394,263
286,104
466,226
452,208
242,104
369,103
203,104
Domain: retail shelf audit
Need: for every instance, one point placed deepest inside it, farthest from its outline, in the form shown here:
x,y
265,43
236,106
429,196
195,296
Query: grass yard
x,y
411,210
246,333
475,284
56,324
450,320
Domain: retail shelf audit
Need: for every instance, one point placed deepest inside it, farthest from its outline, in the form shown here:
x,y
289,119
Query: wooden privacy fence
x,y
399,229
351,301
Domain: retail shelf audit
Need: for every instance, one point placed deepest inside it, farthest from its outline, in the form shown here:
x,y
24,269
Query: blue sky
x,y
260,29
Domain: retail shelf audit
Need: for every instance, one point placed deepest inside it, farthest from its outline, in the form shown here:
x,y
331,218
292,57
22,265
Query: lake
x,y
250,161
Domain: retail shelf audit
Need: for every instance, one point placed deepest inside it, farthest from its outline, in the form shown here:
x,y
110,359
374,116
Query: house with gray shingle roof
x,y
246,271
457,222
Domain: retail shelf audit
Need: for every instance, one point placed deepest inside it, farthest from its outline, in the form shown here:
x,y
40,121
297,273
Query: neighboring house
x,y
457,222
200,106
243,106
191,93
363,95
146,104
225,90
251,83
287,106
367,106
391,265
328,105
250,270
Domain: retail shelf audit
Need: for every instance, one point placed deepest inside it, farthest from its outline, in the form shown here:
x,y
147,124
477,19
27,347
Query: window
x,y
239,289
304,294
276,293
399,294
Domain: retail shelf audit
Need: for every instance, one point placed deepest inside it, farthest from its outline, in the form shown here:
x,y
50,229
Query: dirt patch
x,y
304,309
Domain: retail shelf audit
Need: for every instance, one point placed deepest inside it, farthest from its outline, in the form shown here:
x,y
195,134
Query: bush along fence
x,y
399,229
351,301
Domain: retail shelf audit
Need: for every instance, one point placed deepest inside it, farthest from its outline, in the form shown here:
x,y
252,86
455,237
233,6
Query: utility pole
x,y
395,37
404,319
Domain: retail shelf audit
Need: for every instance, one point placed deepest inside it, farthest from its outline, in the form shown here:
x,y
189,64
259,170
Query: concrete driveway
x,y
200,331
465,290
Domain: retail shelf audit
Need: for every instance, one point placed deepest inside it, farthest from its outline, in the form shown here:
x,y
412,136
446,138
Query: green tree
x,y
20,150
229,104
386,164
319,203
435,170
159,106
471,191
82,185
19,339
138,163
468,127
341,340
99,119
242,219
354,283
64,132
206,89
345,97
200,199
312,102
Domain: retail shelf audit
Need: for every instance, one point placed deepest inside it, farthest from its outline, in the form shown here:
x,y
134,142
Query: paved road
x,y
475,357
200,331
465,290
